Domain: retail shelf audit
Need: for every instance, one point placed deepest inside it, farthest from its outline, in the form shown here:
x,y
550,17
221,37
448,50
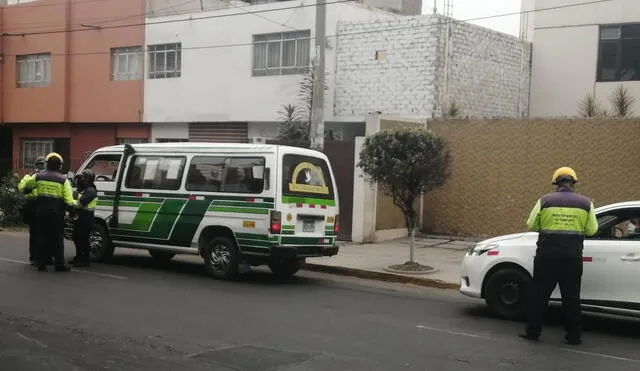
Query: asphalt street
x,y
134,314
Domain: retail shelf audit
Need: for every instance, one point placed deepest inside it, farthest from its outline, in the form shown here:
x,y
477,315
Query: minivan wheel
x,y
221,258
100,244
284,268
507,293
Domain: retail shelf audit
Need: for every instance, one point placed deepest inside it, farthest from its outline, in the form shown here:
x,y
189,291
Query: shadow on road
x,y
596,323
257,276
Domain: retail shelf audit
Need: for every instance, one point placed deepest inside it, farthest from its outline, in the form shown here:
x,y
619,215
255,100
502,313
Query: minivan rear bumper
x,y
303,251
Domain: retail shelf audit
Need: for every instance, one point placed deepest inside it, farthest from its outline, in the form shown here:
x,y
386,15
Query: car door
x,y
611,261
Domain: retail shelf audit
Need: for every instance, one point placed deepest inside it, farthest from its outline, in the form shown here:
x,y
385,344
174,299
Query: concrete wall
x,y
565,54
216,82
499,169
487,70
170,130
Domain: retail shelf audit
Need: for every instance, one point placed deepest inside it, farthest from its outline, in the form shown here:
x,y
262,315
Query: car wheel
x,y
161,256
284,268
507,293
221,258
100,244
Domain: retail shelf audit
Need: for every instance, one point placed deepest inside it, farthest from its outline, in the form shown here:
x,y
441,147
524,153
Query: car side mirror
x,y
257,172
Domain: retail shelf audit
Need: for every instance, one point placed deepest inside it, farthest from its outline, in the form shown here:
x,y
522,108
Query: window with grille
x,y
33,70
165,60
283,53
34,148
126,63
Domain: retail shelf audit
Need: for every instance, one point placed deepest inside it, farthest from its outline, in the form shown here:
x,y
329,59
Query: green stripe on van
x,y
307,201
242,210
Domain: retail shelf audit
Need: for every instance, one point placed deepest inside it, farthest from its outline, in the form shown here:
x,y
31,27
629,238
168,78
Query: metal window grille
x,y
34,70
284,53
32,149
126,63
165,61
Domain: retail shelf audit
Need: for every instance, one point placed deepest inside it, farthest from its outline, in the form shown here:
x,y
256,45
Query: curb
x,y
380,276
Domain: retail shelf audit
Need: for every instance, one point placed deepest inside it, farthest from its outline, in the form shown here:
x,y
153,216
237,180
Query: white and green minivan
x,y
236,205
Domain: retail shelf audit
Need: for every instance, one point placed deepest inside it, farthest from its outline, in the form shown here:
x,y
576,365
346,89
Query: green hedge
x,y
10,201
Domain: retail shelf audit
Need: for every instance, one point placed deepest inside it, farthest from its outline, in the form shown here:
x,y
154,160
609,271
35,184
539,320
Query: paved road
x,y
135,315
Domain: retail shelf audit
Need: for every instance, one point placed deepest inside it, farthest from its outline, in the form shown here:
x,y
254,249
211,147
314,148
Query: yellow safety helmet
x,y
564,172
54,155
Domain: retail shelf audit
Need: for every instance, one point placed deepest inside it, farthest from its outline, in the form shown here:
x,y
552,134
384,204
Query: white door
x,y
612,260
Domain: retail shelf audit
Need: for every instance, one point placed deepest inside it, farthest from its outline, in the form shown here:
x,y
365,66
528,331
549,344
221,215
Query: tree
x,y
405,163
303,112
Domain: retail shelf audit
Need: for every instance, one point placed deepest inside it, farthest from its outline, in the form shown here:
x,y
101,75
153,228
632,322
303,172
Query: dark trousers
x,y
50,237
33,244
81,231
565,272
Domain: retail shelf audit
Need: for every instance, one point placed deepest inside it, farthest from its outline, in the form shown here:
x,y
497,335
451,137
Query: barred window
x,y
283,53
126,63
34,70
165,60
34,148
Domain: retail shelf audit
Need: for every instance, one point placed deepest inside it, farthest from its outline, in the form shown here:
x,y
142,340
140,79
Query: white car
x,y
499,269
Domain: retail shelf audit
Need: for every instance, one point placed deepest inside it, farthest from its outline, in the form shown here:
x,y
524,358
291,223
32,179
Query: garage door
x,y
221,132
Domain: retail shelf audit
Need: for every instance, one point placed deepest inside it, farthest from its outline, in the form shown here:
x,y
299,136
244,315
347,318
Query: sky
x,y
468,9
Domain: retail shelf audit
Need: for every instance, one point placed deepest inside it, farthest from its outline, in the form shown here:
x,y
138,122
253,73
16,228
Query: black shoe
x,y
529,337
572,340
62,268
42,268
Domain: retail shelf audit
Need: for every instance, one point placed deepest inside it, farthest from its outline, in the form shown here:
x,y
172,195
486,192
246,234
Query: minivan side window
x,y
155,172
224,174
105,167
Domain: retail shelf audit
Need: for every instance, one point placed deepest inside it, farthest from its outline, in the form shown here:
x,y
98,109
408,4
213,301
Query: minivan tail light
x,y
275,224
336,226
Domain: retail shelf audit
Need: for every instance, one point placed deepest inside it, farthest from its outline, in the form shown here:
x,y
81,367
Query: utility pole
x,y
317,102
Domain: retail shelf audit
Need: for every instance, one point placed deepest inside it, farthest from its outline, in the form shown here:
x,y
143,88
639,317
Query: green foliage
x,y
295,125
622,101
11,201
405,162
589,106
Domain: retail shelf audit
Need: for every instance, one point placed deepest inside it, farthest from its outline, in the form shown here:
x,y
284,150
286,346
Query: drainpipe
x,y
67,64
3,54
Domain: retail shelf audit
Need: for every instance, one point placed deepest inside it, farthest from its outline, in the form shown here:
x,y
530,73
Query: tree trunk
x,y
412,244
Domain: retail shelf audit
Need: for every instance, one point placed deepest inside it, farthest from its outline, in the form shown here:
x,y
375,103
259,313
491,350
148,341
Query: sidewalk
x,y
369,260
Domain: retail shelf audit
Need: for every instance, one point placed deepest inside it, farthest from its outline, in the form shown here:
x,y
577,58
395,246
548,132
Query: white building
x,y
232,66
410,67
582,49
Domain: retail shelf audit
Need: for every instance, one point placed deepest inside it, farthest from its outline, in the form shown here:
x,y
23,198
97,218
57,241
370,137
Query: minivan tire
x,y
284,268
101,248
221,258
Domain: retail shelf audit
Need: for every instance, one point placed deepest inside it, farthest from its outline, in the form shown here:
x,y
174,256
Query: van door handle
x,y
630,259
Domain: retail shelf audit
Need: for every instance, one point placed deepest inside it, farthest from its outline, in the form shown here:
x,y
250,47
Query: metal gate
x,y
342,158
221,132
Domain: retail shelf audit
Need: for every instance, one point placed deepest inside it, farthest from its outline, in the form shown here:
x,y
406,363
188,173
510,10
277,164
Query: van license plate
x,y
308,226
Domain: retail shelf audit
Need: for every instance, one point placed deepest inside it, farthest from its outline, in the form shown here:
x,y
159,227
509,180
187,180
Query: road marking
x,y
593,354
601,355
455,332
32,340
73,270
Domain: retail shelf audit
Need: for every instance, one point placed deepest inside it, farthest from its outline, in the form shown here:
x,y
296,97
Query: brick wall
x,y
488,70
500,167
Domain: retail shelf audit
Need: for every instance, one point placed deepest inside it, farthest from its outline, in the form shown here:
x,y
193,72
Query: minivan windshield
x,y
306,177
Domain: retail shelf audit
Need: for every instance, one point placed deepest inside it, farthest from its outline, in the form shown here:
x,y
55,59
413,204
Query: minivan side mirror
x,y
257,172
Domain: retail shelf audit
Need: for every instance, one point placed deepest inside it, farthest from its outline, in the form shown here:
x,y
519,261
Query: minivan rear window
x,y
307,177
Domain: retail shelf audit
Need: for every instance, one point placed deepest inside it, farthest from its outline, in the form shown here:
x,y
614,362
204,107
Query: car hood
x,y
514,236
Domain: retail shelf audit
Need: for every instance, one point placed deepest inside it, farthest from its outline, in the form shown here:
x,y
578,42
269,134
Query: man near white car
x,y
562,219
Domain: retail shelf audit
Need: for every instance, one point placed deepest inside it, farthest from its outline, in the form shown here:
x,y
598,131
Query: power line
x,y
191,19
358,32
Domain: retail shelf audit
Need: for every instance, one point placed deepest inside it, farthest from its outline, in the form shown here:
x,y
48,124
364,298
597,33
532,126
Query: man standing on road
x,y
54,197
29,209
83,224
562,218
